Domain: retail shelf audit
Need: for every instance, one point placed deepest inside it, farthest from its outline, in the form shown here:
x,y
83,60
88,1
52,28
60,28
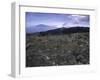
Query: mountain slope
x,y
56,50
39,28
63,30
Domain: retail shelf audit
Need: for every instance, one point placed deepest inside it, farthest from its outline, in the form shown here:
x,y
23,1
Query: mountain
x,y
39,28
62,30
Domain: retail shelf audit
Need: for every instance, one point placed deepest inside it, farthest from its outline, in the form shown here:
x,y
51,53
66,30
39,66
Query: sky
x,y
54,20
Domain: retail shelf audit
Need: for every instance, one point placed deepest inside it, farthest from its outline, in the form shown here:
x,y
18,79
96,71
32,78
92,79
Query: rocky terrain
x,y
53,50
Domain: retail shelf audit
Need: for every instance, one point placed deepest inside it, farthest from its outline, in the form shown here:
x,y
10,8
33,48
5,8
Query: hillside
x,y
61,31
70,48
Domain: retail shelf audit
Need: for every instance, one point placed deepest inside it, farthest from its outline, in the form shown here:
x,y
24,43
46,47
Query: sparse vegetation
x,y
49,50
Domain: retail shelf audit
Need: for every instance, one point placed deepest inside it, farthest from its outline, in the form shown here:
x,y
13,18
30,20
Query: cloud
x,y
77,20
60,20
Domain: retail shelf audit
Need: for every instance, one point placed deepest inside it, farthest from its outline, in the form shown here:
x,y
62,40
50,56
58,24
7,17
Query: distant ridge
x,y
62,30
39,28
